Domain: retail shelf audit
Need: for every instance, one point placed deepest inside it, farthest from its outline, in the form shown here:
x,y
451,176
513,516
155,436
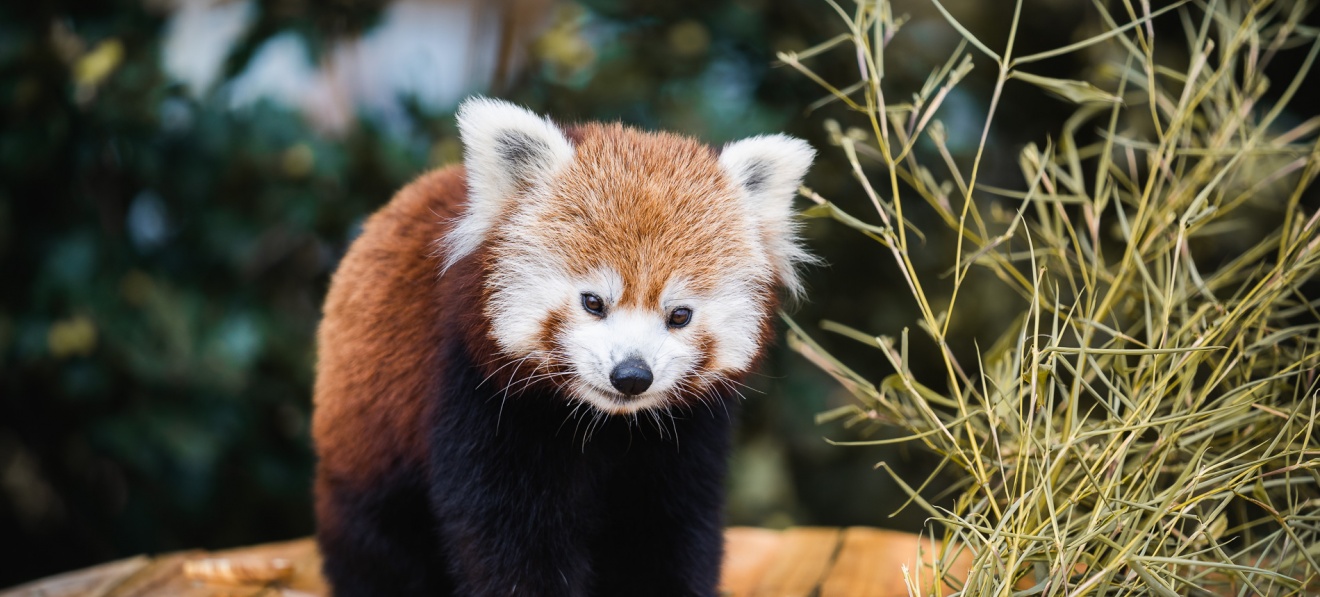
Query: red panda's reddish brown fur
x,y
369,396
594,230
370,390
428,482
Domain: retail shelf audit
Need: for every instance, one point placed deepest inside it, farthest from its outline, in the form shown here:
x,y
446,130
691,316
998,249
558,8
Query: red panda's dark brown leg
x,y
379,539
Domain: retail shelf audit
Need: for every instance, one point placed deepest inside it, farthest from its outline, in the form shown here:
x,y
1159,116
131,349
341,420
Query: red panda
x,y
527,364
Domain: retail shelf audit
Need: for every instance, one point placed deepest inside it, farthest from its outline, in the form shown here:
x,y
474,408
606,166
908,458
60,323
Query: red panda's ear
x,y
506,150
768,171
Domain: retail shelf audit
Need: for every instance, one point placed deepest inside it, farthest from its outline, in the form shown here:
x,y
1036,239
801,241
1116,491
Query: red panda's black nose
x,y
631,377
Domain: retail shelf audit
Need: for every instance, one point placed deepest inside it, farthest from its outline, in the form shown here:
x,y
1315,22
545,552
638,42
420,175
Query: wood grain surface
x,y
801,561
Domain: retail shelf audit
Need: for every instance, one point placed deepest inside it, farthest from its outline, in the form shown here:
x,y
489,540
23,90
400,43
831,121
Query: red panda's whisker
x,y
589,411
500,416
703,401
726,379
591,428
515,380
674,422
513,375
497,370
572,414
724,382
656,421
527,382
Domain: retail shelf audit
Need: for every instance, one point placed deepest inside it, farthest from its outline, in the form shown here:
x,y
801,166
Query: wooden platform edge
x,y
758,562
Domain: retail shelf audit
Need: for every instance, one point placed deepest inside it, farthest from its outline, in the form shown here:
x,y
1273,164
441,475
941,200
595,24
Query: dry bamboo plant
x,y
1147,426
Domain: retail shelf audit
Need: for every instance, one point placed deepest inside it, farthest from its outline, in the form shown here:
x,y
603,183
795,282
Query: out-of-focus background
x,y
178,179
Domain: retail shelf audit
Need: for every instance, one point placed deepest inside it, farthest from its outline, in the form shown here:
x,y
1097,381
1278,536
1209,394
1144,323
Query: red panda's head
x,y
633,270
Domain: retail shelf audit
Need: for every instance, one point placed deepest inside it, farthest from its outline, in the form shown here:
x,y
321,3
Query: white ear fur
x,y
768,169
506,149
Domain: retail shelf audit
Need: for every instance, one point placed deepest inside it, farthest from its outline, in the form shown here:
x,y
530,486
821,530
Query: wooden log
x,y
871,563
796,562
804,556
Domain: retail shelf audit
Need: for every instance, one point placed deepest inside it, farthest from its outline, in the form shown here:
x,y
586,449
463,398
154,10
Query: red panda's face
x,y
633,270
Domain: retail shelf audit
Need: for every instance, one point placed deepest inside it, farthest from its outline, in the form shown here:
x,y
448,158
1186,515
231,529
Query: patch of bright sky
x,y
434,53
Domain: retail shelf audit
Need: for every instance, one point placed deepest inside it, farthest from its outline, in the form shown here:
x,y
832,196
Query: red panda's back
x,y
382,318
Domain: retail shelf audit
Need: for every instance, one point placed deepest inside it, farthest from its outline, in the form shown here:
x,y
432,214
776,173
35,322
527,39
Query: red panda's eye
x,y
593,304
680,317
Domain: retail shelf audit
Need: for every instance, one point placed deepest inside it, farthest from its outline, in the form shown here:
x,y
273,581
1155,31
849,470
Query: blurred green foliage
x,y
164,253
164,259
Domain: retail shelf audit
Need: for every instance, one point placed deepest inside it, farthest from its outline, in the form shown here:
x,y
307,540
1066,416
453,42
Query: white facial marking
x,y
514,161
524,293
734,315
596,347
531,287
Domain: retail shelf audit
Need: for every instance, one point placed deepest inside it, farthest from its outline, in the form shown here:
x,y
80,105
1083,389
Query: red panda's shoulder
x,y
382,316
424,206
